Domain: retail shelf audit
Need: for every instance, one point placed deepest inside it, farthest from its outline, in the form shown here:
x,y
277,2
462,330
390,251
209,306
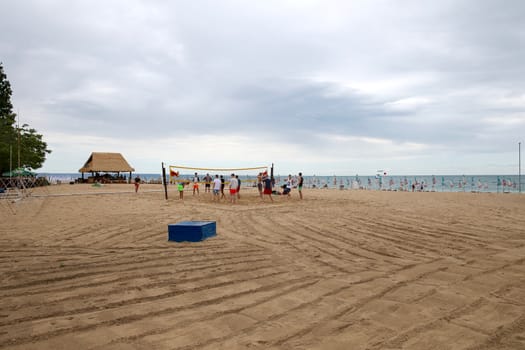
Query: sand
x,y
91,268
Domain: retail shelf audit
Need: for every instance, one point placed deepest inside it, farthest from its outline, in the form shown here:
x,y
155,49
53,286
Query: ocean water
x,y
428,183
435,183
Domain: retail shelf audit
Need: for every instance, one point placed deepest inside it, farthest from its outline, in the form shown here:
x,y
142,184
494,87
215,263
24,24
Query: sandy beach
x,y
91,268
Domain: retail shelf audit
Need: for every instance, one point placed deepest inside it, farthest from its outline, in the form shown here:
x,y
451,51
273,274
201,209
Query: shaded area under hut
x,y
106,168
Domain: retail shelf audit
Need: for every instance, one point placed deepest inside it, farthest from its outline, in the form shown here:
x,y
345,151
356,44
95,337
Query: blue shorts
x,y
216,192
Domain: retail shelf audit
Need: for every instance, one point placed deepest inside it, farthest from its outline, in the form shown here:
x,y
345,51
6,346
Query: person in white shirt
x,y
216,188
289,184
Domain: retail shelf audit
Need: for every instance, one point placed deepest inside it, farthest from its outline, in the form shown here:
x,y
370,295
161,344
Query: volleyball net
x,y
186,174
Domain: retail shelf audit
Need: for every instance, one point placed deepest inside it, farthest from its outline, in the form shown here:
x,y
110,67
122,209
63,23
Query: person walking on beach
x,y
267,186
216,188
234,183
137,183
196,184
300,185
223,184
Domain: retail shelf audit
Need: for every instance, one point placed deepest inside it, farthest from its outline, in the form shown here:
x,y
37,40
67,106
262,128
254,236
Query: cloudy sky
x,y
322,87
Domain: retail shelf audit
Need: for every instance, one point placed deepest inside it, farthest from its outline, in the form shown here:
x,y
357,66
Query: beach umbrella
x,y
19,172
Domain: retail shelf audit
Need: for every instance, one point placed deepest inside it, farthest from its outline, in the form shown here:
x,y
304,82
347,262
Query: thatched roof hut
x,y
106,162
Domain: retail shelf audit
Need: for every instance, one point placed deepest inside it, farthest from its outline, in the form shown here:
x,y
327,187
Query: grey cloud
x,y
156,69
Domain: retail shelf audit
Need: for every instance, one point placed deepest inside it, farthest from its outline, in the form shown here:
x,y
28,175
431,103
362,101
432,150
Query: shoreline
x,y
172,189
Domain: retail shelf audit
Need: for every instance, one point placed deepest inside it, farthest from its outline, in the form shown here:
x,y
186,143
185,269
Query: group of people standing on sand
x,y
216,185
219,183
265,186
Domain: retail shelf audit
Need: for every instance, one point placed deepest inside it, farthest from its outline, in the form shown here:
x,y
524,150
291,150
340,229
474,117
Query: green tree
x,y
33,149
7,119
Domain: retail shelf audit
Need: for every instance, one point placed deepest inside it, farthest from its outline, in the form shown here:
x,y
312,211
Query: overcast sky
x,y
322,87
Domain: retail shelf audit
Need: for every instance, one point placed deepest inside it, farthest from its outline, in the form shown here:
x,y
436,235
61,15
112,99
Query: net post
x,y
164,181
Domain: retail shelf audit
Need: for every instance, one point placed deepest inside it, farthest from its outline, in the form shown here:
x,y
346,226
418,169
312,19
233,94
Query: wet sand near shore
x,y
91,268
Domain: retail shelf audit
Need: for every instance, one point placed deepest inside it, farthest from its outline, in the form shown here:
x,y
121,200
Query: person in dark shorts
x,y
222,187
300,185
207,183
238,186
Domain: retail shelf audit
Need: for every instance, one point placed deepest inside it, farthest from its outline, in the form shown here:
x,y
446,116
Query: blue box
x,y
191,231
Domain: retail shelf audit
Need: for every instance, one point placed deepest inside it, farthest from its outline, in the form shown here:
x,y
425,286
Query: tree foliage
x,y
33,149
